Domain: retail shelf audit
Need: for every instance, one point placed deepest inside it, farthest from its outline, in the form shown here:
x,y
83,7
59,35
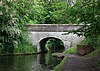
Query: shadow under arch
x,y
43,41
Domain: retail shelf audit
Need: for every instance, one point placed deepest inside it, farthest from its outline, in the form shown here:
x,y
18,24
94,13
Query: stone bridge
x,y
40,33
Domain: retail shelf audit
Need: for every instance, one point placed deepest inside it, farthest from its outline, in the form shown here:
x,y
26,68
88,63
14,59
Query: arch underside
x,y
40,38
44,41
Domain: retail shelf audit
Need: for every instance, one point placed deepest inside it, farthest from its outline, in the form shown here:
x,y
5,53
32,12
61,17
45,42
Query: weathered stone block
x,y
84,49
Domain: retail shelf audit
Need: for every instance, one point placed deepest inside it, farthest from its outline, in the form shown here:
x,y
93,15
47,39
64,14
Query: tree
x,y
9,30
87,12
13,14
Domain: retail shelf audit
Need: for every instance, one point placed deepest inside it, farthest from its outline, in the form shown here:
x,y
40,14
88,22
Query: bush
x,y
86,41
25,48
89,41
12,17
87,12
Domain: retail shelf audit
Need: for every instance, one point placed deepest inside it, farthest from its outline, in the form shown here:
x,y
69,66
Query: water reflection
x,y
40,62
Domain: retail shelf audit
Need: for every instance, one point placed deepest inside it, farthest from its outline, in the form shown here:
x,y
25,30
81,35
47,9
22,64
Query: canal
x,y
37,62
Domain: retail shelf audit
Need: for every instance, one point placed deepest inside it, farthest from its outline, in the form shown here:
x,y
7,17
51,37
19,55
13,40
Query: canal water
x,y
37,62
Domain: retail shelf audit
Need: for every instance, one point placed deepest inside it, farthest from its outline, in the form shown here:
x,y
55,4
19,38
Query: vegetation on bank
x,y
15,13
13,38
59,66
71,50
85,41
87,12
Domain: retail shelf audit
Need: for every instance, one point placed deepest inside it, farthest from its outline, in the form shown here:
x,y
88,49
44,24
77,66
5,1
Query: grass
x,y
71,50
59,66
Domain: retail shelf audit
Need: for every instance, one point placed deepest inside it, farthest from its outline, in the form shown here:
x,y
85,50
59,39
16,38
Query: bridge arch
x,y
38,33
43,41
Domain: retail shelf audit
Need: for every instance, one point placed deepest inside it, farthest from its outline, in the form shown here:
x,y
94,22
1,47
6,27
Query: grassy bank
x,y
22,49
71,50
59,66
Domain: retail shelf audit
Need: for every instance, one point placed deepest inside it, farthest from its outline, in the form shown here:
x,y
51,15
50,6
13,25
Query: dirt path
x,y
77,63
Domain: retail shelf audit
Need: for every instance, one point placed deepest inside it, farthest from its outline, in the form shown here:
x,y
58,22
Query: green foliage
x,y
59,66
15,13
53,44
12,16
55,12
86,41
30,12
9,30
87,12
71,50
25,48
42,11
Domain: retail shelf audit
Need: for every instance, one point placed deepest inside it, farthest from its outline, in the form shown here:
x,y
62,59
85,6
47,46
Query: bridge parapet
x,y
53,27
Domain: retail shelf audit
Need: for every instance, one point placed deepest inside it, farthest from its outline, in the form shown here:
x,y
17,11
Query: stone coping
x,y
53,27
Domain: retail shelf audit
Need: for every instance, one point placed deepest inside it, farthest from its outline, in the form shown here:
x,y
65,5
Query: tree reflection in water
x,y
38,62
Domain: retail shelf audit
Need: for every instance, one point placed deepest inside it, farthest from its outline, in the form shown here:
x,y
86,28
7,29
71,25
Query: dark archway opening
x,y
51,44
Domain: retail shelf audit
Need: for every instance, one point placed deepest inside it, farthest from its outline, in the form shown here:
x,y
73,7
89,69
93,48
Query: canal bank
x,y
89,62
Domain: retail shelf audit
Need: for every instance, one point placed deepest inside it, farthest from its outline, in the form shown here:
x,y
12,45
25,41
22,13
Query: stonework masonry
x,y
41,31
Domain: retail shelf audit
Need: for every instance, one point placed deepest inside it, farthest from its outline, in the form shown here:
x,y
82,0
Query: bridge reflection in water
x,y
38,62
